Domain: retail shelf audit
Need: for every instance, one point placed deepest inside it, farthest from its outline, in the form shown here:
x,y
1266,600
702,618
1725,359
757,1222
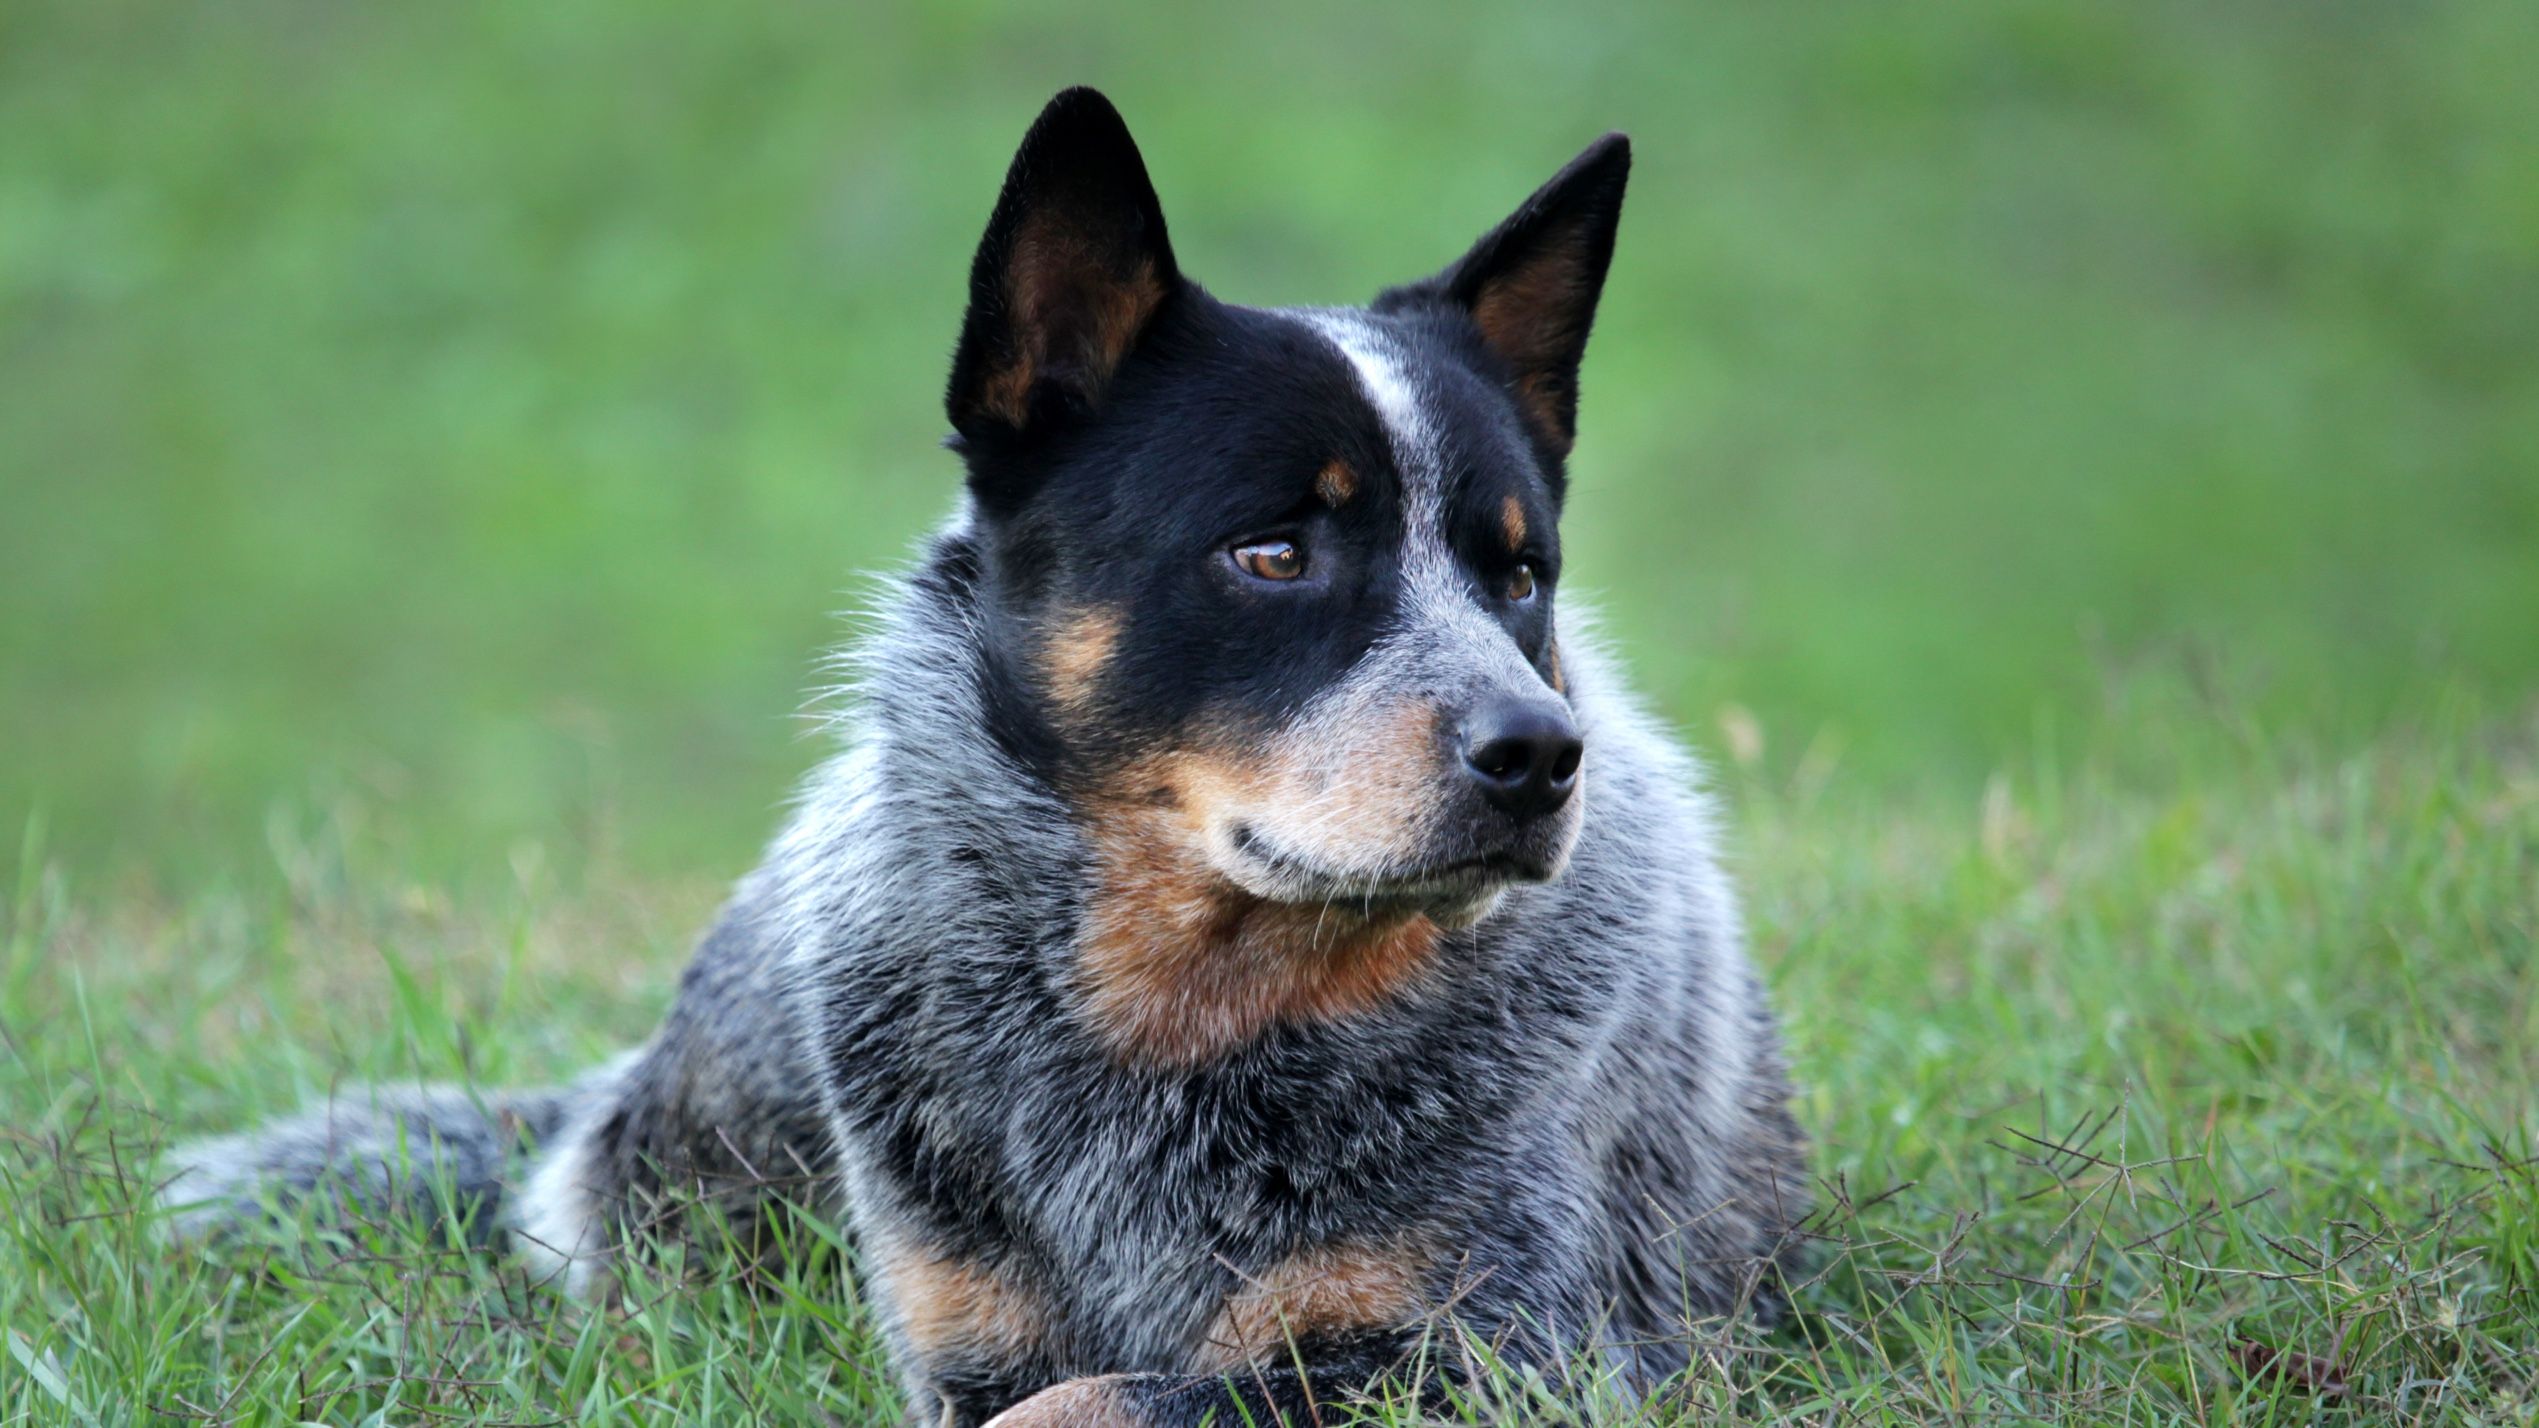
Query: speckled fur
x,y
1564,1132
1587,1105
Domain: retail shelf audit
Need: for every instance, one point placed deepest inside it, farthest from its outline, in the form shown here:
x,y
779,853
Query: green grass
x,y
2114,1092
2072,463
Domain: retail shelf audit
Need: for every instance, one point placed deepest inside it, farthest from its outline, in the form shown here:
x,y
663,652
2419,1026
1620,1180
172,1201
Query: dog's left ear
x,y
1074,265
1531,284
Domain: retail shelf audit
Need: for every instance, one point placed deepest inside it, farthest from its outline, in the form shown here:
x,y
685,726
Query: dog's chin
x,y
1453,893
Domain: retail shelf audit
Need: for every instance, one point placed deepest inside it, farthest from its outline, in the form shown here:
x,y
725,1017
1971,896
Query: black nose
x,y
1524,755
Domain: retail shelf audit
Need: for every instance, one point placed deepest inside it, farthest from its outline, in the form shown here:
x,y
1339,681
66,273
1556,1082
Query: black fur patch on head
x,y
1222,427
1122,430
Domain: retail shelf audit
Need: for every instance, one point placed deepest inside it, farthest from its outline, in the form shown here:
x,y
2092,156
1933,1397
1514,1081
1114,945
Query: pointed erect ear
x,y
1073,267
1531,284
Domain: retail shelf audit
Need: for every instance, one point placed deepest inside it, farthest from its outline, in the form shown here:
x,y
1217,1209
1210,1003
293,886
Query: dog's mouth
x,y
1454,890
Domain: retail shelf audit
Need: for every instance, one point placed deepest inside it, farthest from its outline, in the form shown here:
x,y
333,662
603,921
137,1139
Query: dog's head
x,y
1269,594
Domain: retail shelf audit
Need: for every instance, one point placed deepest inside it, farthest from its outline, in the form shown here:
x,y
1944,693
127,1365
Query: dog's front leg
x,y
1303,1397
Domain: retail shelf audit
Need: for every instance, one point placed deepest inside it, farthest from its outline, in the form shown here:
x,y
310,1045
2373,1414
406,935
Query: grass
x,y
2219,1104
2072,462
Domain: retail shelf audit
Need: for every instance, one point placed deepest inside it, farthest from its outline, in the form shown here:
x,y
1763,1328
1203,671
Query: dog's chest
x,y
1189,1246
1153,1222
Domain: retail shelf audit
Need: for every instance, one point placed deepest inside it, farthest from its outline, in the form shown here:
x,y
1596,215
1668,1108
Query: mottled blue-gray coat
x,y
1248,947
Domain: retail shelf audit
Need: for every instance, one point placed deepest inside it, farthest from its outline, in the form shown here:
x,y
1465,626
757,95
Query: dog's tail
x,y
447,1154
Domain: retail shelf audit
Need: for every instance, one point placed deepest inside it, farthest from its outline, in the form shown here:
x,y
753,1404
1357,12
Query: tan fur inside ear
x,y
1529,316
1074,318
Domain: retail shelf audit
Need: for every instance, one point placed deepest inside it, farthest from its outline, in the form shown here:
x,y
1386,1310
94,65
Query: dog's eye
x,y
1271,559
1521,584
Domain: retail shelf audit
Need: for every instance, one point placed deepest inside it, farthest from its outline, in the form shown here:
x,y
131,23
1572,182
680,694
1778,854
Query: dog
x,y
1247,948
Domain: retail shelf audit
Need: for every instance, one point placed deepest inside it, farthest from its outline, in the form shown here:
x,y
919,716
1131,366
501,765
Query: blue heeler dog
x,y
1248,947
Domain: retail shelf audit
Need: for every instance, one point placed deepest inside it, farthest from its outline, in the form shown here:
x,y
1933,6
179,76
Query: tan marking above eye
x,y
1271,559
1512,524
1336,483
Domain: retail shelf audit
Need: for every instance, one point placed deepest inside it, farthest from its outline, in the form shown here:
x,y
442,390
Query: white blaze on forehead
x,y
1444,633
1389,390
1417,454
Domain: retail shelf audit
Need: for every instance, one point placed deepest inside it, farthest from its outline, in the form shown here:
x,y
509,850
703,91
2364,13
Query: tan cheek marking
x,y
1325,1290
1178,966
1560,674
1080,643
1336,484
1077,1403
945,1305
1512,524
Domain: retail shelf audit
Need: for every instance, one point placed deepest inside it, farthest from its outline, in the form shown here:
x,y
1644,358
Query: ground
x,y
2214,1105
2068,467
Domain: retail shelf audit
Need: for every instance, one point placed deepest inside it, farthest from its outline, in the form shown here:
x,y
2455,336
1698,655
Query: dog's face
x,y
1271,593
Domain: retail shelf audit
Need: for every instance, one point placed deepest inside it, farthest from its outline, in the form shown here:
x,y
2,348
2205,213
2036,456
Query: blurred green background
x,y
474,414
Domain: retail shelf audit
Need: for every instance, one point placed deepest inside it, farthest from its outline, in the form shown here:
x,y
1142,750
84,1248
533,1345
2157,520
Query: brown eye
x,y
1271,559
1521,584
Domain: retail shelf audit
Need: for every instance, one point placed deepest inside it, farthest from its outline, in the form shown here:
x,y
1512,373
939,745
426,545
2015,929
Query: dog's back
x,y
1246,935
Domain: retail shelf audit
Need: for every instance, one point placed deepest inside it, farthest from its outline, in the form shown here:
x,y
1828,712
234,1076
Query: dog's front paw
x,y
1105,1402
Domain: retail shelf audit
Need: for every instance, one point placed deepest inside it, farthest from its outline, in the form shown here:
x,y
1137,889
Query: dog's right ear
x,y
1074,266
